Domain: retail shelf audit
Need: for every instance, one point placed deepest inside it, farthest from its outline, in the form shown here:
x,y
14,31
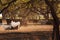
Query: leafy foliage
x,y
23,8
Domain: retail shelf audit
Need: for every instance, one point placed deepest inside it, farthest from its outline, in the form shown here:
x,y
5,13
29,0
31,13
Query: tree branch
x,y
7,6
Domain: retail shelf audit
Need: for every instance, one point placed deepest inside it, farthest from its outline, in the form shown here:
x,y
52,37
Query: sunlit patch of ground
x,y
29,28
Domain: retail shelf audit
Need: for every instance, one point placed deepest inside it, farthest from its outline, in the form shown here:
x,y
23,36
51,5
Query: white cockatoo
x,y
14,24
6,26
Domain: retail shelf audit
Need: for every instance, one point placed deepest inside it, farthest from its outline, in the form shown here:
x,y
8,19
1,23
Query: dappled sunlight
x,y
29,28
0,16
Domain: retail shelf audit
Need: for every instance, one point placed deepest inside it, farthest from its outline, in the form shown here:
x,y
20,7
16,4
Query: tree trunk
x,y
55,35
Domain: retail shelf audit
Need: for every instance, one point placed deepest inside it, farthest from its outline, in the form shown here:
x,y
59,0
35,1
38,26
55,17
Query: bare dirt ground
x,y
29,28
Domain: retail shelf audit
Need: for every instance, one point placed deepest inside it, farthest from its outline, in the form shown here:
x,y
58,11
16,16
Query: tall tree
x,y
55,35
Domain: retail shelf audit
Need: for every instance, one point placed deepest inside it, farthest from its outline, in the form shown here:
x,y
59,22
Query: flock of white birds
x,y
12,24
